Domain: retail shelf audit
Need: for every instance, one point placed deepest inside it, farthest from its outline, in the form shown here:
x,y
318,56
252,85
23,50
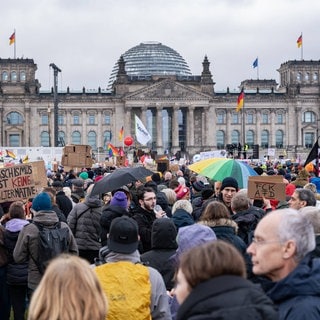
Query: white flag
x,y
142,135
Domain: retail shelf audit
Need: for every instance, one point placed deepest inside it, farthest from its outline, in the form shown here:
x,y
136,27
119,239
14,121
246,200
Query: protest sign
x,y
269,187
21,181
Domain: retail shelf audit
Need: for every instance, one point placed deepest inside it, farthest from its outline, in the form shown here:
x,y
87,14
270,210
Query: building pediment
x,y
168,89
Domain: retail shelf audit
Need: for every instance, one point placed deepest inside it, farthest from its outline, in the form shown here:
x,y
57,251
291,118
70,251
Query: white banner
x,y
142,135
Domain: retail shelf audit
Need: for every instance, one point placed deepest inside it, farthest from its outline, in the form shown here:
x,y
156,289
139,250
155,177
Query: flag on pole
x,y
10,154
142,135
240,101
113,151
12,38
121,132
299,41
255,63
25,159
313,153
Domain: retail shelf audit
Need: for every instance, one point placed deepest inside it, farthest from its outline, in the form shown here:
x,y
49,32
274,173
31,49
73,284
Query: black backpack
x,y
51,242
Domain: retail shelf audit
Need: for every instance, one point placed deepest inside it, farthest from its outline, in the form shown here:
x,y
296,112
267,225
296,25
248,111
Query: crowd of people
x,y
175,245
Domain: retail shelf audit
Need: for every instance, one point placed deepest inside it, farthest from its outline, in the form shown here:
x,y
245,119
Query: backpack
x,y
51,242
128,289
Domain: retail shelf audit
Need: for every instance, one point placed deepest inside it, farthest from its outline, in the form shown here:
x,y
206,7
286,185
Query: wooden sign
x,y
269,187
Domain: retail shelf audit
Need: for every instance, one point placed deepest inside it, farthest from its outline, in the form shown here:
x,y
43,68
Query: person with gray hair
x,y
313,215
302,198
280,251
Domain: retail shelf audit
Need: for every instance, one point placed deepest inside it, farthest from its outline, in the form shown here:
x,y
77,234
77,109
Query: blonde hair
x,y
68,290
170,195
182,204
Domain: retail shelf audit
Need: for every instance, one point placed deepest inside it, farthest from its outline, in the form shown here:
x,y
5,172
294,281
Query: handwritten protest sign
x,y
21,181
269,187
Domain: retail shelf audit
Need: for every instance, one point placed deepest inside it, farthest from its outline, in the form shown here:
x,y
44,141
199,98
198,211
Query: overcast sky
x,y
85,38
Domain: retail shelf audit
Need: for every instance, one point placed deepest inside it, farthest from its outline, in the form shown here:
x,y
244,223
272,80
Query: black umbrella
x,y
119,178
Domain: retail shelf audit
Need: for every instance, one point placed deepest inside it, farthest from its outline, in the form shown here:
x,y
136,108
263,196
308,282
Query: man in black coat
x,y
63,202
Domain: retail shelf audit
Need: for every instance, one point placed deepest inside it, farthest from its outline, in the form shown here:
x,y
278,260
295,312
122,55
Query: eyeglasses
x,y
259,242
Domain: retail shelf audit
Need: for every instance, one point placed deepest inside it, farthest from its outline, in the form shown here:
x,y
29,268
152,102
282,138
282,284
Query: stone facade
x,y
180,112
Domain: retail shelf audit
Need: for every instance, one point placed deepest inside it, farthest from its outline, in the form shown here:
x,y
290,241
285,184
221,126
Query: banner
x,y
142,135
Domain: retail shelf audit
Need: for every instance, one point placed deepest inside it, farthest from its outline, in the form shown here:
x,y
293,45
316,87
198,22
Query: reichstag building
x,y
181,111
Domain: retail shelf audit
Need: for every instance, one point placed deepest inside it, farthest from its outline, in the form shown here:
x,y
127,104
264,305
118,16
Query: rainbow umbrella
x,y
219,168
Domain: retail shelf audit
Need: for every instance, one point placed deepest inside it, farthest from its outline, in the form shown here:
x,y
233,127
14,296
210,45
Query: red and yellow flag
x,y
299,41
240,101
12,38
121,132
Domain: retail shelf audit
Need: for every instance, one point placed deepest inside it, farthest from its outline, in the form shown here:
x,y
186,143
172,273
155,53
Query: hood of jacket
x,y
182,218
304,280
163,234
15,225
192,236
93,202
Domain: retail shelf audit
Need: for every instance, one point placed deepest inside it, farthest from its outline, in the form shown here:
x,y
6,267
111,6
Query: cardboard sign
x,y
17,183
269,187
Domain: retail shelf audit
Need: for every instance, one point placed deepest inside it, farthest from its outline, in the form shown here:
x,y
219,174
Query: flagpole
x,y
15,41
258,69
243,128
302,46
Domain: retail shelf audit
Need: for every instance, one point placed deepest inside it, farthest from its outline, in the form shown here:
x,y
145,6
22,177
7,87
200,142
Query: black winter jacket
x,y
226,298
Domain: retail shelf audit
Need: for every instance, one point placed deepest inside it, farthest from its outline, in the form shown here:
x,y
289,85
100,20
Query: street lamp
x,y
49,126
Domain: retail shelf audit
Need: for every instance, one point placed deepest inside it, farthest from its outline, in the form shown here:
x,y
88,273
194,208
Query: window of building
x,y
14,140
235,117
107,119
250,118
92,140
92,119
61,137
235,137
250,138
107,136
309,117
298,76
221,118
14,118
22,76
309,139
76,137
265,118
13,76
220,136
44,139
315,76
76,118
44,119
279,117
307,76
60,119
265,139
279,139
4,76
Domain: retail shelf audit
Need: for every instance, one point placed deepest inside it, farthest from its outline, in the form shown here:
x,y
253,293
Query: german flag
x,y
299,41
121,132
240,101
12,38
10,154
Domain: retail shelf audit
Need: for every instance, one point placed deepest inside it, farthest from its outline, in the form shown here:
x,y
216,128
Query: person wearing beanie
x,y
27,243
229,187
119,199
196,187
84,175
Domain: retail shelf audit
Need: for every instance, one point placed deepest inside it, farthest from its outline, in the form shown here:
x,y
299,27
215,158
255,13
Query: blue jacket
x,y
298,294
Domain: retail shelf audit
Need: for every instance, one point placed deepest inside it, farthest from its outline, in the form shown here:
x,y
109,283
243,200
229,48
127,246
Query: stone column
x,y
128,129
175,130
100,130
228,127
258,128
84,138
159,130
210,127
28,122
272,130
190,127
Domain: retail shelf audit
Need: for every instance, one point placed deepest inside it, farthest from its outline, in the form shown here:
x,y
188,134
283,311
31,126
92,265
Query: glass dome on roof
x,y
152,58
